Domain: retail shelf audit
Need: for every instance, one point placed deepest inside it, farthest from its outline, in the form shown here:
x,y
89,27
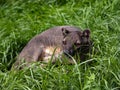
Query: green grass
x,y
20,20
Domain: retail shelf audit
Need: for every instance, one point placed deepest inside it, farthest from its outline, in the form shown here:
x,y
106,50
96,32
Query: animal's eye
x,y
78,42
64,42
87,36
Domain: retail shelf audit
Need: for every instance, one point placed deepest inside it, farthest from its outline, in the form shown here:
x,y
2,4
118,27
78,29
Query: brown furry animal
x,y
57,41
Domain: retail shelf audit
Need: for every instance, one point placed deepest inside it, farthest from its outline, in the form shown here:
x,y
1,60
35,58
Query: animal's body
x,y
54,42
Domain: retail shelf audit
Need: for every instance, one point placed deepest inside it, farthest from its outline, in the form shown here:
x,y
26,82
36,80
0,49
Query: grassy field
x,y
20,20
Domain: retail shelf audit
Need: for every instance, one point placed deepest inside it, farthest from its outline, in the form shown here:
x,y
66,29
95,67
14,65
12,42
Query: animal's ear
x,y
65,32
86,33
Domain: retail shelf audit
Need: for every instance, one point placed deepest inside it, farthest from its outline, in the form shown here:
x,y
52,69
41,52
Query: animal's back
x,y
55,34
48,37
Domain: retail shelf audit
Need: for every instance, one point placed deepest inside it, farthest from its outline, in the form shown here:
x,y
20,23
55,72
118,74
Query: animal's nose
x,y
71,52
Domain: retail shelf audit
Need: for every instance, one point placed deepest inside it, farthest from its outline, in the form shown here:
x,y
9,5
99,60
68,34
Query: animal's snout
x,y
65,51
68,52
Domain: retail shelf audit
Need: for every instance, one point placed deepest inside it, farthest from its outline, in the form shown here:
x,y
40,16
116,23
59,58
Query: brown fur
x,y
58,40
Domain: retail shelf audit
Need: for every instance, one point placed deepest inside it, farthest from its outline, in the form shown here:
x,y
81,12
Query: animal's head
x,y
73,40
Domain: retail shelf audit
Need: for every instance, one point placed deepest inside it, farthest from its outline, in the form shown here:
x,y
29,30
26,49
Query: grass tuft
x,y
20,20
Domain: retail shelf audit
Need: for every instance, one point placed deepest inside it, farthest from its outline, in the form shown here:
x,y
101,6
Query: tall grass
x,y
20,20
